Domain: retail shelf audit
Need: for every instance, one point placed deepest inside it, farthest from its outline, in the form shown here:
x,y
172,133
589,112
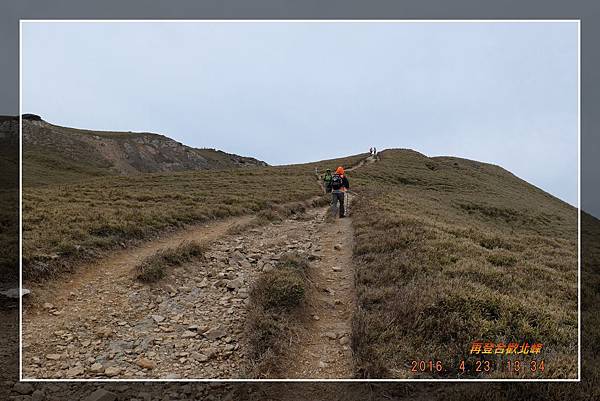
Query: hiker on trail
x,y
327,180
371,151
339,186
374,151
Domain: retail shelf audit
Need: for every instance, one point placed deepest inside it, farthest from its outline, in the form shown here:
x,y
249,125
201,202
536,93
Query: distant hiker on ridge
x,y
339,186
327,180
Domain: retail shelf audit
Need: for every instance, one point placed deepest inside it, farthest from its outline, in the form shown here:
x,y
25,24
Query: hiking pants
x,y
336,197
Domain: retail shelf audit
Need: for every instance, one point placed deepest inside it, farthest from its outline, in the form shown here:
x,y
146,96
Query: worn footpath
x,y
101,323
104,324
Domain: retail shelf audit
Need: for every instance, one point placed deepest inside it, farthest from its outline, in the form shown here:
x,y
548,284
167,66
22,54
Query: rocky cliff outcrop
x,y
122,153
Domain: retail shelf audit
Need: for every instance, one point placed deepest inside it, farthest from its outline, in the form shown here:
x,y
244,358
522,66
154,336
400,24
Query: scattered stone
x,y
146,363
38,395
158,318
145,396
23,388
235,284
112,371
215,333
189,334
316,317
345,340
210,352
322,364
336,269
53,357
104,332
48,305
337,247
75,371
101,395
331,335
97,368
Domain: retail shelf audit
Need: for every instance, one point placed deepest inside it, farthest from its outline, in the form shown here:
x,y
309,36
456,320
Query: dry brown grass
x,y
65,224
154,267
461,252
274,298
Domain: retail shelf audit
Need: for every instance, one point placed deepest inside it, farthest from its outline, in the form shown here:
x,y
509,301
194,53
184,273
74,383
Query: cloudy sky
x,y
288,92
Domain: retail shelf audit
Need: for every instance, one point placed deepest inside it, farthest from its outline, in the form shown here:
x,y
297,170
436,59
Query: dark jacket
x,y
345,184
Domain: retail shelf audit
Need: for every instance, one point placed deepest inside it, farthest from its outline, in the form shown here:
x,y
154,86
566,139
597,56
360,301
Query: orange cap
x,y
340,170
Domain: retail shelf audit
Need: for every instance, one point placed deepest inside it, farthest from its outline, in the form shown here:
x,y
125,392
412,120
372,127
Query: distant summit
x,y
54,154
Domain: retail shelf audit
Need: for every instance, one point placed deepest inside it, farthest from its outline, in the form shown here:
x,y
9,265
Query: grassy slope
x,y
44,166
77,220
63,156
9,205
449,251
587,389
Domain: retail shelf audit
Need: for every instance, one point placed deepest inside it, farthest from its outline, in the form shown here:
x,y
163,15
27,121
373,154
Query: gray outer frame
x,y
587,11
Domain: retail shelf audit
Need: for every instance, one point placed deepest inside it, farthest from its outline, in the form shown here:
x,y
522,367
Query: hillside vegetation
x,y
9,199
55,154
66,223
448,251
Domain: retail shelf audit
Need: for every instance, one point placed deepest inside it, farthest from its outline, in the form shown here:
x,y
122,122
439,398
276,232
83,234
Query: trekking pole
x,y
346,203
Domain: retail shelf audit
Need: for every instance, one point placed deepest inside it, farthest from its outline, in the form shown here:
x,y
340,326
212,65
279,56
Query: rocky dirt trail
x,y
367,160
102,323
105,324
322,346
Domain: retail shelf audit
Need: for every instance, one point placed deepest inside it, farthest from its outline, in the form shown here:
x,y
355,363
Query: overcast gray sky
x,y
289,92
